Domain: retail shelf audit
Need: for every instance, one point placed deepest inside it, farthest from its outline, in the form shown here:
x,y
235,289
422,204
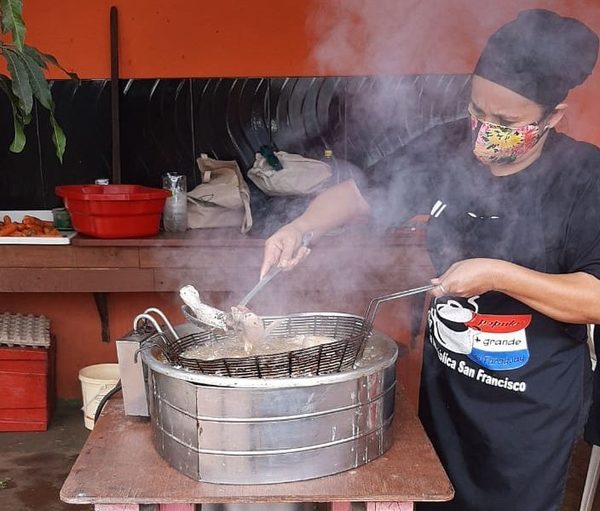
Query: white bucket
x,y
96,382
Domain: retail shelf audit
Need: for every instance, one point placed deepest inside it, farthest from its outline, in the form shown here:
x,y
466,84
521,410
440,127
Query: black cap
x,y
540,55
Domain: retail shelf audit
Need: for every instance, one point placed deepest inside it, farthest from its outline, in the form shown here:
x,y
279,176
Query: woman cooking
x,y
514,234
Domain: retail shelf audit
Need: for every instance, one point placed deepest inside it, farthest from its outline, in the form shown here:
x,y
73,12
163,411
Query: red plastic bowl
x,y
114,211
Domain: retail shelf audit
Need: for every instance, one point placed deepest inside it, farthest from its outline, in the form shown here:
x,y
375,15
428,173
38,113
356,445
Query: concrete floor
x,y
33,466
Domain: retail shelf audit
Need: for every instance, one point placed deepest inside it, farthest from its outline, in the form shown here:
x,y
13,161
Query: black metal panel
x,y
167,123
308,114
83,111
21,181
156,130
230,118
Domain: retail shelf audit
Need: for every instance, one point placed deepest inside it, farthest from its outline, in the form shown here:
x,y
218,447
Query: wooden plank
x,y
27,280
372,269
345,279
323,256
119,465
231,237
64,256
192,237
205,258
106,257
36,256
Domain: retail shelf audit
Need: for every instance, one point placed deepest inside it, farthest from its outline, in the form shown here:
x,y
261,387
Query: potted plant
x,y
26,81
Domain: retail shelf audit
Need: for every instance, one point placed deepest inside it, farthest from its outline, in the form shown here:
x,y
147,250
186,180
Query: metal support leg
x,y
102,307
591,480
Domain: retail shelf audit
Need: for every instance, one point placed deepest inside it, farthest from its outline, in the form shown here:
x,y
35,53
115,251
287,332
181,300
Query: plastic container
x,y
62,220
96,381
114,211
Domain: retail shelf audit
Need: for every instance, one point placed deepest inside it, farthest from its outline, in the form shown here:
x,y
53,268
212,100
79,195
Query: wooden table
x,y
118,468
216,260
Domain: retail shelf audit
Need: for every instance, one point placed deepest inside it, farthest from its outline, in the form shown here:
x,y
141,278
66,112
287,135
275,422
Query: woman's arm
x,y
336,206
568,297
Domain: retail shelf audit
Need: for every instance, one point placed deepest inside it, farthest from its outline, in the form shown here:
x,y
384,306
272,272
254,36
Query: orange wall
x,y
76,325
291,37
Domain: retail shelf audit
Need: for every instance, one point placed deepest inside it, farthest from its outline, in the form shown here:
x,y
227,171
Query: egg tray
x,y
24,330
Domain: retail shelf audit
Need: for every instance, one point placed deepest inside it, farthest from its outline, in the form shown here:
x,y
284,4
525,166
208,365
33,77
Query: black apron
x,y
502,385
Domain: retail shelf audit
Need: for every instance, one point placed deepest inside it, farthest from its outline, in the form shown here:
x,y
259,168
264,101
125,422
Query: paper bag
x,y
223,198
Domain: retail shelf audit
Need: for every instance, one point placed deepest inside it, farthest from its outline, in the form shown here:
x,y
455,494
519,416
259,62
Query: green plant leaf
x,y
6,86
26,78
18,143
20,80
35,54
58,138
37,80
50,58
19,123
12,21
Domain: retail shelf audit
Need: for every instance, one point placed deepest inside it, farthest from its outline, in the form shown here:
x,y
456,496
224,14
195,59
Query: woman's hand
x,y
338,205
470,277
284,249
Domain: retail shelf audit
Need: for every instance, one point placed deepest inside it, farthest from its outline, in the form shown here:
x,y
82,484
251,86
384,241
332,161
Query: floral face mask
x,y
494,143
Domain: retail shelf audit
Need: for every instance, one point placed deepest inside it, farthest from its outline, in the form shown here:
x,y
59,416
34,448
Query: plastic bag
x,y
299,176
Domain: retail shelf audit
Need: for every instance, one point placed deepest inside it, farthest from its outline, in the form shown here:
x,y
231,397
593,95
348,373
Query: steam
x,y
390,39
397,37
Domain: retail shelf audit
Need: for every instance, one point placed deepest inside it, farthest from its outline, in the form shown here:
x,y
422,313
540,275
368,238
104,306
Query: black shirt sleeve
x,y
582,245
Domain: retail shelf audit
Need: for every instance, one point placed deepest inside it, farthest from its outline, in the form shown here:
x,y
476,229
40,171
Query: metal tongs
x,y
271,274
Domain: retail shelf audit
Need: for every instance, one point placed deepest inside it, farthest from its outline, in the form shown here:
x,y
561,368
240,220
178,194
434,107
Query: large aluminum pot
x,y
256,431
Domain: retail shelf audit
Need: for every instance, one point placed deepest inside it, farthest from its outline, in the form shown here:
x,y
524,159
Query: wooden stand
x,y
118,469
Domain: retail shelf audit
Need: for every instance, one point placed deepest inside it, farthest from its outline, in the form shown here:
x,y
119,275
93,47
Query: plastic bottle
x,y
334,179
340,171
175,211
331,161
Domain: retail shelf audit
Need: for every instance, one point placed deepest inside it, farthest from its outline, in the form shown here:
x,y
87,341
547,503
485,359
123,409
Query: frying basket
x,y
350,333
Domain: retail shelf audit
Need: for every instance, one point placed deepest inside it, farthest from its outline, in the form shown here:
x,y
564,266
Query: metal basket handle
x,y
149,318
162,315
156,340
376,302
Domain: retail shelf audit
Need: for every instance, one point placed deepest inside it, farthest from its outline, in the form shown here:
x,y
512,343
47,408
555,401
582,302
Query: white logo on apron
x,y
448,325
492,341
